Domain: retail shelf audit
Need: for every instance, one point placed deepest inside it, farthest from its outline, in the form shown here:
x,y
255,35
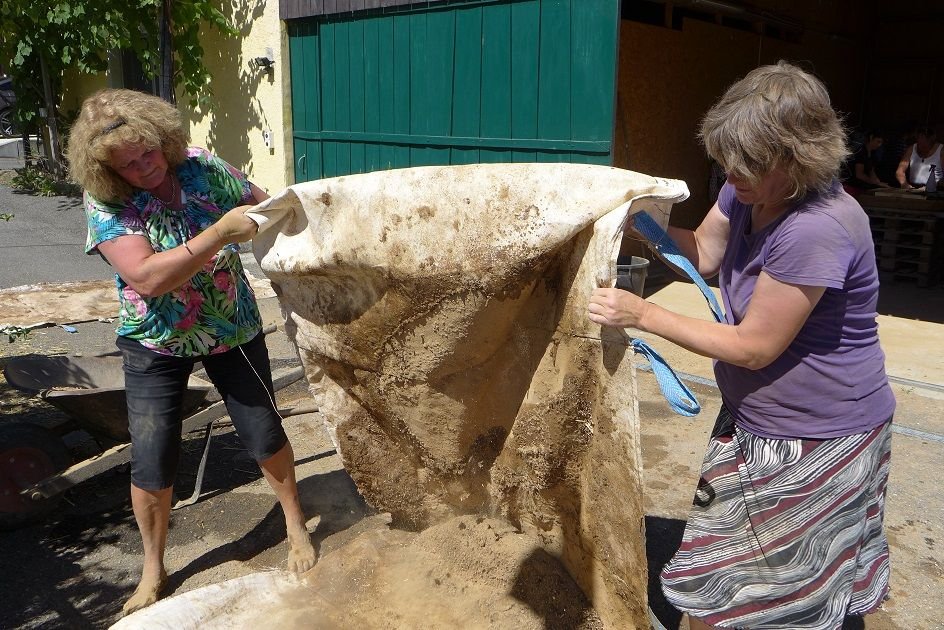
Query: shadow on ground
x,y
75,570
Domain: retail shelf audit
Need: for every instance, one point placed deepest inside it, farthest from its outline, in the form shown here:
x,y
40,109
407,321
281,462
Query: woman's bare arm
x,y
704,247
776,313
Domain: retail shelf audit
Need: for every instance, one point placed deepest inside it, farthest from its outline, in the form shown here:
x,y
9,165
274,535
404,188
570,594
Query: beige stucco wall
x,y
245,101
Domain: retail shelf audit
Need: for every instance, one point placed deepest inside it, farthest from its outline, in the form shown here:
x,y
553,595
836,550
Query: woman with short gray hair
x,y
785,530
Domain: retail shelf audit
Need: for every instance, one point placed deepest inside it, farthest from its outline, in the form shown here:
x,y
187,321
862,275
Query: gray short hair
x,y
777,115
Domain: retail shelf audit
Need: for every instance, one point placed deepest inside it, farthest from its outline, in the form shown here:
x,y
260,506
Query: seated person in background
x,y
862,172
915,164
894,146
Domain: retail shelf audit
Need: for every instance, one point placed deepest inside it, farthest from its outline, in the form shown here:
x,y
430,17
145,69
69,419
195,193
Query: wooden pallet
x,y
909,245
925,270
911,238
922,280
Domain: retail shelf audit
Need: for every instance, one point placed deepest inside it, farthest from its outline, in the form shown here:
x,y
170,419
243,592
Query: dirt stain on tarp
x,y
454,362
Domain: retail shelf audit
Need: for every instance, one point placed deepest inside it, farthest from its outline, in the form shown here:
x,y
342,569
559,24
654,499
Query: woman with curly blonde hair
x,y
168,218
785,530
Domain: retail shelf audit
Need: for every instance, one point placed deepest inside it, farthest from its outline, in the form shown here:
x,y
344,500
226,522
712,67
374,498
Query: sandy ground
x,y
80,564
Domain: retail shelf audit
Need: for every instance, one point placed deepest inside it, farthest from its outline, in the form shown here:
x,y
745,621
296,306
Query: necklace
x,y
174,193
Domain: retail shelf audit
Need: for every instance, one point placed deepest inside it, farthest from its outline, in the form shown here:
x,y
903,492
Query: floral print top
x,y
216,309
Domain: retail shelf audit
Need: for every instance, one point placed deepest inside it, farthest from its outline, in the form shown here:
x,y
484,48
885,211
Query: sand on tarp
x,y
467,572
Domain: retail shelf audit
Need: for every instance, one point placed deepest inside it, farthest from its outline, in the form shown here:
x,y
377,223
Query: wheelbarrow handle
x,y
121,454
281,379
284,377
306,406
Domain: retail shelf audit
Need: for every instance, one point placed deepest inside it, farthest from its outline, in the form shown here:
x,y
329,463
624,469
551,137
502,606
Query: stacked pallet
x,y
909,236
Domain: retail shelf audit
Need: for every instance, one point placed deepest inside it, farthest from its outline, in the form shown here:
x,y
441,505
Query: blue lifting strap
x,y
660,241
677,394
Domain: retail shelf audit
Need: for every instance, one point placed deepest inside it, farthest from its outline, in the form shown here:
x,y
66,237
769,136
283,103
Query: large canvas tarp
x,y
440,314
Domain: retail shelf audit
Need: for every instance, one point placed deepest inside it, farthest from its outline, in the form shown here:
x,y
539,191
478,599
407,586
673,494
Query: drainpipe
x,y
55,154
166,82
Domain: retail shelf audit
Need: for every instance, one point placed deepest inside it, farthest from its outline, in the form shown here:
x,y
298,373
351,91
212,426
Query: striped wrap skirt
x,y
784,533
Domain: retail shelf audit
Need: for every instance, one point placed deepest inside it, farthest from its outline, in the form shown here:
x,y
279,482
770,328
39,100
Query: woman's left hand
x,y
615,307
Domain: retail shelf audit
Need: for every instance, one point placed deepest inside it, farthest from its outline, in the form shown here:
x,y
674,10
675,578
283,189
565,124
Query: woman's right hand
x,y
615,307
235,226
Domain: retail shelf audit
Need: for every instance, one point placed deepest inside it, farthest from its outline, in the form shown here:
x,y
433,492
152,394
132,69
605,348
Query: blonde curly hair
x,y
777,115
112,119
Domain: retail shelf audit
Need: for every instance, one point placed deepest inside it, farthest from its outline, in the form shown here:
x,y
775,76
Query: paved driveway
x,y
45,241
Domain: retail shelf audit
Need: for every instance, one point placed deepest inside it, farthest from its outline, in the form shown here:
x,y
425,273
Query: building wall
x,y
881,68
669,78
77,86
906,79
245,101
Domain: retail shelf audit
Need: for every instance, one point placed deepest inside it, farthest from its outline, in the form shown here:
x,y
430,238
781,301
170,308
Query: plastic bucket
x,y
631,274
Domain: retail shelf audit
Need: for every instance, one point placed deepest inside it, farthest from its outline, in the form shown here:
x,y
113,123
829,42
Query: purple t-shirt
x,y
831,379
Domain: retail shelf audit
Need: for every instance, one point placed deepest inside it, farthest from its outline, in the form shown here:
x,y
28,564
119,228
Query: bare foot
x,y
301,554
148,592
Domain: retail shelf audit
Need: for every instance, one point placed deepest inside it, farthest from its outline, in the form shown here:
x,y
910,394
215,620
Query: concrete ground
x,y
44,241
74,569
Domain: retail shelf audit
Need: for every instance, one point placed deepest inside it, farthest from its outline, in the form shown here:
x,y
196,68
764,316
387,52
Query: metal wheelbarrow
x,y
35,464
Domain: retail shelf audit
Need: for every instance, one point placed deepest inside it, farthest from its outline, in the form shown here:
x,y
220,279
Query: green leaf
x,y
24,48
81,33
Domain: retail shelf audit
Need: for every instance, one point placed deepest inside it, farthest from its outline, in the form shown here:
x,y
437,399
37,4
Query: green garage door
x,y
454,83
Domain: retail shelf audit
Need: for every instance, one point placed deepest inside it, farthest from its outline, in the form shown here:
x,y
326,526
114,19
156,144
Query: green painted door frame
x,y
457,82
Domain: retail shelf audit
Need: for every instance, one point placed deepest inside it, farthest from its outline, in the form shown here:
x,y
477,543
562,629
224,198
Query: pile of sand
x,y
468,572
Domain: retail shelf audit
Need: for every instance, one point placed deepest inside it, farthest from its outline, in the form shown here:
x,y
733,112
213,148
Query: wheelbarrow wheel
x,y
28,454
